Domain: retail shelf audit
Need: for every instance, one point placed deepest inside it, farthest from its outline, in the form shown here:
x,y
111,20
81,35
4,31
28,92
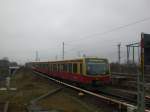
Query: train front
x,y
98,70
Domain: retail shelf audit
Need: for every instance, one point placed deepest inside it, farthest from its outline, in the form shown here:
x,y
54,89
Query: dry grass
x,y
30,87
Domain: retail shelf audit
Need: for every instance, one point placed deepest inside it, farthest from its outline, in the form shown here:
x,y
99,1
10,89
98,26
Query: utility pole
x,y
119,57
133,56
141,81
37,57
128,50
138,54
56,57
63,51
79,54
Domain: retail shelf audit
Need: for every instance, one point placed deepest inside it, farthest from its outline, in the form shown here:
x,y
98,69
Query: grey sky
x,y
42,25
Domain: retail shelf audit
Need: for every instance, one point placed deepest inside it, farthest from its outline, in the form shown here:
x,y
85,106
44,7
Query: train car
x,y
89,71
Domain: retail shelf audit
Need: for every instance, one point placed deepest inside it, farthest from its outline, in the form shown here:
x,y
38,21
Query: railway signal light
x,y
145,62
146,46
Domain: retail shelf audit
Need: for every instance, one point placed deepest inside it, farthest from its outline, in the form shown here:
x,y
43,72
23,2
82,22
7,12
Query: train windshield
x,y
97,68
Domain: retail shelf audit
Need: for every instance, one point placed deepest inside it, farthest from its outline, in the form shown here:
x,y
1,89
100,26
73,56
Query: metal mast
x,y
119,57
37,57
141,82
63,51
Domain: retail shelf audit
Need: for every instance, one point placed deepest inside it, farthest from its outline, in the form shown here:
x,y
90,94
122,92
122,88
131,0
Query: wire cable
x,y
112,30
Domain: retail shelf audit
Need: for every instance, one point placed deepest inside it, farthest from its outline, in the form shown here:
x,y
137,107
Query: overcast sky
x,y
27,26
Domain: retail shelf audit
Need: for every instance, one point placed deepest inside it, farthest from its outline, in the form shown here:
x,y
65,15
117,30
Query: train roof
x,y
71,60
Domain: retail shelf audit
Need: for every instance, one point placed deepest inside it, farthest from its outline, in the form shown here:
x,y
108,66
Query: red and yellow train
x,y
84,71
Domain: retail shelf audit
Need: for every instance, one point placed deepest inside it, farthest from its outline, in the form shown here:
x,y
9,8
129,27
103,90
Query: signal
x,y
146,42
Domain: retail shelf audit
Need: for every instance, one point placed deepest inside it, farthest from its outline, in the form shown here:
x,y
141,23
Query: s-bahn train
x,y
87,71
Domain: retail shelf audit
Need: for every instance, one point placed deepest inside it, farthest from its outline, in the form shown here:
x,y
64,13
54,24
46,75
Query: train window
x,y
62,67
74,68
51,67
65,67
58,69
81,69
55,67
46,65
70,67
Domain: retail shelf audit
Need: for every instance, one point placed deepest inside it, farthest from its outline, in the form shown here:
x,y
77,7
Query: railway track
x,y
132,76
129,81
130,96
4,106
120,102
1,107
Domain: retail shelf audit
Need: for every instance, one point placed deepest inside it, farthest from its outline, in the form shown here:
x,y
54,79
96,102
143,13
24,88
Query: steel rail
x,y
6,106
91,93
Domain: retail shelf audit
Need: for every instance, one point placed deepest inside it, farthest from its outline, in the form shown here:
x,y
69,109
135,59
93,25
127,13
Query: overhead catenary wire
x,y
104,33
112,30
